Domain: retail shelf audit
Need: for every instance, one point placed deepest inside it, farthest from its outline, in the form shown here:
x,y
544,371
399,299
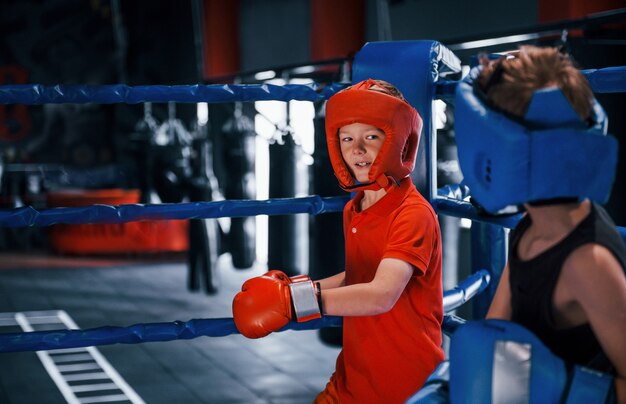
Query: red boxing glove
x,y
268,302
280,275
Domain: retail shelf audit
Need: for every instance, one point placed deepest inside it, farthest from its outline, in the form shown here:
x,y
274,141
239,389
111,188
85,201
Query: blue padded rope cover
x,y
34,94
435,389
450,201
464,291
138,333
156,332
607,80
451,323
28,216
219,327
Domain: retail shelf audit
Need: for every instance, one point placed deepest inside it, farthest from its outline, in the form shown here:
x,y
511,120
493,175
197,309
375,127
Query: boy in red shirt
x,y
390,293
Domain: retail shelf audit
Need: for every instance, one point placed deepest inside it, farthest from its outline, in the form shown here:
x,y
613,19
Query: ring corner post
x,y
488,251
413,67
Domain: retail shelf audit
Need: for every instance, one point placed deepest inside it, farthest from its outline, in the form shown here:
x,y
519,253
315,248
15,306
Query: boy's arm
x,y
333,281
375,297
597,283
501,304
268,302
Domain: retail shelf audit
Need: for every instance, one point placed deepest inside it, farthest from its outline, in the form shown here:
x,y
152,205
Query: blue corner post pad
x,y
413,67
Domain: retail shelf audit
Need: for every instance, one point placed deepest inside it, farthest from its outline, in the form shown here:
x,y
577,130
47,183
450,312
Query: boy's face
x,y
360,144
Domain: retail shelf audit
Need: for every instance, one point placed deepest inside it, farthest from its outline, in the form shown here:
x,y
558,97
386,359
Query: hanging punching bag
x,y
239,136
204,234
283,240
326,244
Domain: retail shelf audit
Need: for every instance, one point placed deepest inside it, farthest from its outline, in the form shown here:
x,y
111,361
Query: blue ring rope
x,y
464,291
218,327
447,203
30,217
35,94
136,334
606,80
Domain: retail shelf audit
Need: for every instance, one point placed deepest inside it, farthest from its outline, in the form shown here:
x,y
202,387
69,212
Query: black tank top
x,y
533,282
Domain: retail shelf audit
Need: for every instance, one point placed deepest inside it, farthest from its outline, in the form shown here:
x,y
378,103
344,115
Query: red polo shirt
x,y
386,358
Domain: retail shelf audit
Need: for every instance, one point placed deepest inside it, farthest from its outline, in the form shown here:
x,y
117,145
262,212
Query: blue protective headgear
x,y
550,153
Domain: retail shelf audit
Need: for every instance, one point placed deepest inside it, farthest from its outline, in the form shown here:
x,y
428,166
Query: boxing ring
x,y
373,60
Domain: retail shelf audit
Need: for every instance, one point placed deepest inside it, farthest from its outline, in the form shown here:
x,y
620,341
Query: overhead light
x,y
202,112
265,75
303,70
483,43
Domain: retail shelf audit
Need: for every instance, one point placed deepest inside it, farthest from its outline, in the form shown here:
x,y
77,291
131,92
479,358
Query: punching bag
x,y
239,137
204,234
326,246
283,253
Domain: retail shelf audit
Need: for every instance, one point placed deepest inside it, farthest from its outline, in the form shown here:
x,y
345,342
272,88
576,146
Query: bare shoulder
x,y
592,266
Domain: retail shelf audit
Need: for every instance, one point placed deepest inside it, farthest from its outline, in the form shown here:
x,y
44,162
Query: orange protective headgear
x,y
396,118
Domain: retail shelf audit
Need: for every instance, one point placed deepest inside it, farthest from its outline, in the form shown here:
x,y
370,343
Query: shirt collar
x,y
392,199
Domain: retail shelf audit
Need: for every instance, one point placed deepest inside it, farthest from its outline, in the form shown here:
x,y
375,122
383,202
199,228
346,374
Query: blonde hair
x,y
389,89
383,87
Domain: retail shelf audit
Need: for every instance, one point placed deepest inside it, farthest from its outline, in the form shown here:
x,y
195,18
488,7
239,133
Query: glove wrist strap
x,y
304,298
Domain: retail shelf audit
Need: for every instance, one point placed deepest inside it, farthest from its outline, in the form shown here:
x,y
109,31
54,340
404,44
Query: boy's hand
x,y
268,302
